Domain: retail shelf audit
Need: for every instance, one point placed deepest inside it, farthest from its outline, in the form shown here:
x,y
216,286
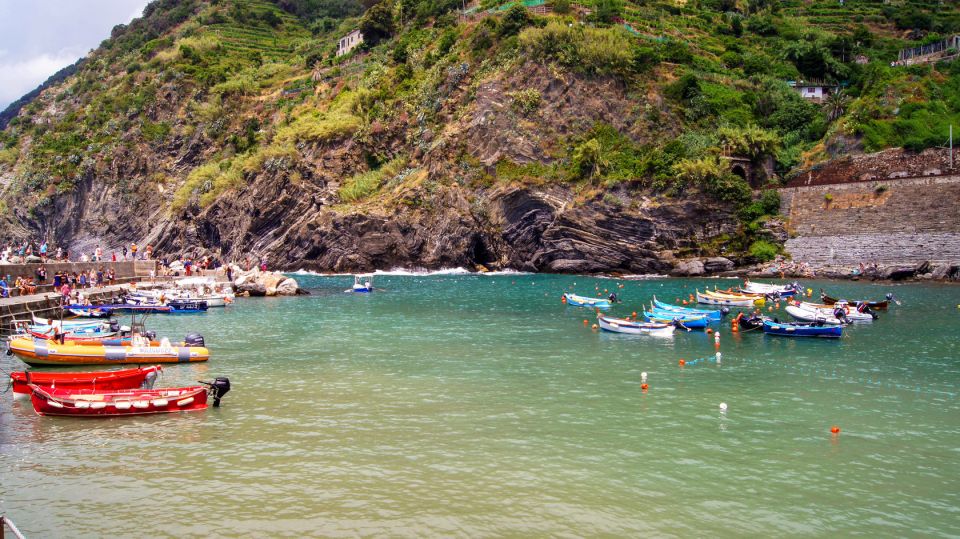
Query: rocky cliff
x,y
562,143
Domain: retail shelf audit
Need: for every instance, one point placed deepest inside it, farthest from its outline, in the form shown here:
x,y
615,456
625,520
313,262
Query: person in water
x,y
613,297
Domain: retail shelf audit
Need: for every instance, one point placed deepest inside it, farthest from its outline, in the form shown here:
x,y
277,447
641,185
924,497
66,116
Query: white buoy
x,y
719,355
643,377
723,407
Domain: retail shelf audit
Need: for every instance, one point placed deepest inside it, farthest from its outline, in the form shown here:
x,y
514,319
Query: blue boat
x,y
187,306
691,322
362,283
583,301
712,314
101,311
664,313
785,329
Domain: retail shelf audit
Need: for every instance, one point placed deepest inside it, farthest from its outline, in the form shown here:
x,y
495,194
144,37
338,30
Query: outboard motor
x,y
724,311
194,339
889,296
114,326
150,335
218,388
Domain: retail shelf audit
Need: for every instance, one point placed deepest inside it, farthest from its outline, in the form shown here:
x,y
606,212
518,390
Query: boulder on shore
x,y
264,283
689,268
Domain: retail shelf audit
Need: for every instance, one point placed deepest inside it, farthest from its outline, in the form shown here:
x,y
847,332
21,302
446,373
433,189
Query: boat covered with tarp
x,y
788,329
139,378
584,301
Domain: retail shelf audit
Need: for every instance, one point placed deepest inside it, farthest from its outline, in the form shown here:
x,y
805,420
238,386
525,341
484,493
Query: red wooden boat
x,y
141,377
90,403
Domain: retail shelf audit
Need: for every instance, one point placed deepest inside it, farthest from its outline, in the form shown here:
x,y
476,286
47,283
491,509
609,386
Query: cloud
x,y
18,77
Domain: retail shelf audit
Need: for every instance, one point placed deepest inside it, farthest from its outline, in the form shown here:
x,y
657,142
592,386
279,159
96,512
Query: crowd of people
x,y
34,252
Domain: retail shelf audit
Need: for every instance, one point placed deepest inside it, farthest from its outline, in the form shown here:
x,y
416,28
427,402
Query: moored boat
x,y
807,315
584,301
712,314
624,325
711,298
362,283
841,311
44,352
785,329
770,289
141,377
876,305
689,322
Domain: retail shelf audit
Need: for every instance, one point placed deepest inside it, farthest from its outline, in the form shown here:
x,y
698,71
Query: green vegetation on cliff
x,y
210,94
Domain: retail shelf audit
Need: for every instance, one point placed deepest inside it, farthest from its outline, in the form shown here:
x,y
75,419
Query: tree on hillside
x,y
835,104
608,10
377,23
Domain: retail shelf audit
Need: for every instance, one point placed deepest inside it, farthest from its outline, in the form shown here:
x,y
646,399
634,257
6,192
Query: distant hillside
x,y
13,109
233,126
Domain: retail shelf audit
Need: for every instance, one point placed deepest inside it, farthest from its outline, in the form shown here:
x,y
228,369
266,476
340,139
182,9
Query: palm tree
x,y
835,105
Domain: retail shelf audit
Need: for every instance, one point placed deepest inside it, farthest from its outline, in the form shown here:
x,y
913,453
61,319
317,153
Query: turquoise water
x,y
466,405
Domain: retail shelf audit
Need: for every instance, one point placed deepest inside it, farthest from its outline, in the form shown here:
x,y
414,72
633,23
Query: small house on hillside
x,y
348,42
814,90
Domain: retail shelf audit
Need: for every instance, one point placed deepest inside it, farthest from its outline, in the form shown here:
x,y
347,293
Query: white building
x,y
348,42
813,90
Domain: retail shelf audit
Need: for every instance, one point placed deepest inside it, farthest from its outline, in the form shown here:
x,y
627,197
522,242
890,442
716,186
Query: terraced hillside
x,y
234,126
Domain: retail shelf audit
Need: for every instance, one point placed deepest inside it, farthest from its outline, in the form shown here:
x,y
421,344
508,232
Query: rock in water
x,y
289,287
264,283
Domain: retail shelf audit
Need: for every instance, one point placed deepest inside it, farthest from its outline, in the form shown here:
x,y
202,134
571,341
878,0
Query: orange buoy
x,y
586,322
709,331
685,302
634,314
643,387
682,363
563,299
735,328
835,429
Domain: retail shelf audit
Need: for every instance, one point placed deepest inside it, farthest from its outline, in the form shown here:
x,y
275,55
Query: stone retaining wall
x,y
890,221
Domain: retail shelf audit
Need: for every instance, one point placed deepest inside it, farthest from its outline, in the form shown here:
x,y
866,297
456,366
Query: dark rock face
x,y
520,228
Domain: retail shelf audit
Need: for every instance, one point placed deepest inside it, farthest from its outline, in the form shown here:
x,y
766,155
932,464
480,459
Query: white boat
x,y
623,325
362,283
709,299
806,315
851,313
751,287
214,293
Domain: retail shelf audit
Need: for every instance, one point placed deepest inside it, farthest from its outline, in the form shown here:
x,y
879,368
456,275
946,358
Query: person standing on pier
x,y
133,250
98,254
4,288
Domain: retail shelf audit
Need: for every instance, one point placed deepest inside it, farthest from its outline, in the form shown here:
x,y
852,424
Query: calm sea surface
x,y
467,405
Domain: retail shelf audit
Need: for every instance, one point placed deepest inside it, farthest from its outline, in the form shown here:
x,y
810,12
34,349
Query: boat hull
x,y
620,325
583,301
709,313
101,381
88,403
875,305
37,352
688,322
729,302
799,330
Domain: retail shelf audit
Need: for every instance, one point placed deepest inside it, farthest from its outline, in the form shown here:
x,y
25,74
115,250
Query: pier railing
x,y
6,523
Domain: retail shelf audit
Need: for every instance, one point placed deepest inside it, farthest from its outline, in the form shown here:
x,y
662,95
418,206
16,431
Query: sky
x,y
39,37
